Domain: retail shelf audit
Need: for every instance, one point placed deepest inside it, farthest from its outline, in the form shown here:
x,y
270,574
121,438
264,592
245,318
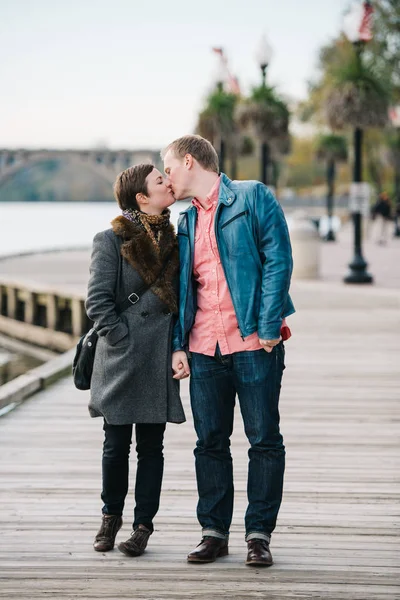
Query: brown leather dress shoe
x,y
209,549
105,538
258,553
136,544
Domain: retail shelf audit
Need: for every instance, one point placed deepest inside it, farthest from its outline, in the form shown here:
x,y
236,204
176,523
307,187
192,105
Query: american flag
x,y
219,51
366,23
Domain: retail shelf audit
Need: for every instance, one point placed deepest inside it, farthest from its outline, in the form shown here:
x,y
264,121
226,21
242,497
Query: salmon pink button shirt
x,y
215,320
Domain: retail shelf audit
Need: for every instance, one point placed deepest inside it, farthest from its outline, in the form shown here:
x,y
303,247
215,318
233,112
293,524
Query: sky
x,y
134,74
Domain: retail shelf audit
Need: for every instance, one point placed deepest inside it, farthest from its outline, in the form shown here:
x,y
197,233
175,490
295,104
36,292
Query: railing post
x,y
3,301
78,316
51,312
11,303
30,308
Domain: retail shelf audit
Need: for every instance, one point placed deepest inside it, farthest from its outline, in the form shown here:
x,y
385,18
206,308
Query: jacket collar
x,y
139,251
226,195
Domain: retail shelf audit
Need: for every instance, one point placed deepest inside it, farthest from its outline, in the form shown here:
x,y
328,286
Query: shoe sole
x,y
253,563
221,553
103,550
127,552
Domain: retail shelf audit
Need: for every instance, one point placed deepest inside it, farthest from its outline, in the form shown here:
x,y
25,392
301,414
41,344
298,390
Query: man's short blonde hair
x,y
198,147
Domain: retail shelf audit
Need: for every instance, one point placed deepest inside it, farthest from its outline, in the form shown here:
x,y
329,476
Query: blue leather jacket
x,y
254,247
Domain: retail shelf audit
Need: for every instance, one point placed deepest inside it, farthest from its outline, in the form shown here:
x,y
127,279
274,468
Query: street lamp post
x,y
396,232
263,55
330,177
219,79
394,114
221,141
358,267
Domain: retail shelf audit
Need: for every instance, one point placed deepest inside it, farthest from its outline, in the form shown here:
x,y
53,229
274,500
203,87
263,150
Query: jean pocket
x,y
280,355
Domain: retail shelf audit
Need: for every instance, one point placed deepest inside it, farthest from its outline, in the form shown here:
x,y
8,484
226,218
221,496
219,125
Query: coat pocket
x,y
236,234
118,334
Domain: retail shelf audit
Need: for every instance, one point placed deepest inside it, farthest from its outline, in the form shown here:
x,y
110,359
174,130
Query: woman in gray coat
x,y
132,381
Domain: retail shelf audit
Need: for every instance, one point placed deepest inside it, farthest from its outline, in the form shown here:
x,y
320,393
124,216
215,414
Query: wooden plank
x,y
337,535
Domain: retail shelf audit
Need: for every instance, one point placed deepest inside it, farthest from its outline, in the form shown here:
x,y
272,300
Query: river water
x,y
26,227
34,226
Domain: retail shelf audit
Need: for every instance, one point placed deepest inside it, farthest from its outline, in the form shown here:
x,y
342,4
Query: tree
x,y
349,91
356,95
385,45
217,124
267,117
332,149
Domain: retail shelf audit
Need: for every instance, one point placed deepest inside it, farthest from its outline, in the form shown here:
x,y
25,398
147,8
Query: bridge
x,y
104,163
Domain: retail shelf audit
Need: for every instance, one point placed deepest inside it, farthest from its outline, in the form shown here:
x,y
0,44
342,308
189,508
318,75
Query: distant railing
x,y
42,315
313,202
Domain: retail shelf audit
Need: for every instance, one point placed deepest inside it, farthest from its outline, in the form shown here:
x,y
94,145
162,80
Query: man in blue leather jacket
x,y
236,264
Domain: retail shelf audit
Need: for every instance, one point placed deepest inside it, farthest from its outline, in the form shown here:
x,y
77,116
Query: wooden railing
x,y
42,315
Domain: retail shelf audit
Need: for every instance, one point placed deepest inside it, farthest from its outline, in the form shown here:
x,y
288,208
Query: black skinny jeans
x,y
149,473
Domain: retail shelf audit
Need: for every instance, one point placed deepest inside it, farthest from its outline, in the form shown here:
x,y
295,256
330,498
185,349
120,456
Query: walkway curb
x,y
55,250
19,389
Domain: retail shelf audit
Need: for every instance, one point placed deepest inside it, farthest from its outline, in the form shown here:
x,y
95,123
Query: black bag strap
x,y
135,296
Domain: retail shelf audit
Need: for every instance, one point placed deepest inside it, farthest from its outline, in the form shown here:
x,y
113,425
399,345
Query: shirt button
x,y
214,292
216,312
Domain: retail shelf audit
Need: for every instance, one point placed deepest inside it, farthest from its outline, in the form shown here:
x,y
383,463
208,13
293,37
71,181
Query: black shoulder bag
x,y
82,366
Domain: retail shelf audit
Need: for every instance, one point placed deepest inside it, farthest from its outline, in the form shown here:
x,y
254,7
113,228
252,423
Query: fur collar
x,y
140,252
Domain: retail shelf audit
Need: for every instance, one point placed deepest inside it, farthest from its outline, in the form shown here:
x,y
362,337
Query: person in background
x,y
382,215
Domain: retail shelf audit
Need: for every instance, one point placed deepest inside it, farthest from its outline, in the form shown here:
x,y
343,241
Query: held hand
x,y
180,365
268,345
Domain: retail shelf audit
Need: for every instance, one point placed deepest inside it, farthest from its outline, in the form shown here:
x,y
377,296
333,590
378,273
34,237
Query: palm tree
x,y
217,124
332,149
356,97
267,117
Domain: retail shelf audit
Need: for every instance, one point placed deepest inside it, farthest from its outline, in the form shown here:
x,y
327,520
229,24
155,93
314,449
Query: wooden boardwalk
x,y
337,534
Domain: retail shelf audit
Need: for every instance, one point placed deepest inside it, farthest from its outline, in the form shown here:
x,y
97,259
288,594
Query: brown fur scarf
x,y
139,250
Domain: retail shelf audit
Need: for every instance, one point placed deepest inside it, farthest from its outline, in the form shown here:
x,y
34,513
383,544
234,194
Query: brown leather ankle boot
x,y
105,538
136,544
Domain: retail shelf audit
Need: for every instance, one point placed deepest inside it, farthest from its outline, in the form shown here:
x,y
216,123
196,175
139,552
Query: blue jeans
x,y
255,376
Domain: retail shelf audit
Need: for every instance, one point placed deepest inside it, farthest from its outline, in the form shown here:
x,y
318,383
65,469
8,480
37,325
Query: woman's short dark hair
x,y
130,182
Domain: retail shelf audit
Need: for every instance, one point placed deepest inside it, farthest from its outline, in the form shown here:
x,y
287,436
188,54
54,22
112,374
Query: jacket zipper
x,y
234,218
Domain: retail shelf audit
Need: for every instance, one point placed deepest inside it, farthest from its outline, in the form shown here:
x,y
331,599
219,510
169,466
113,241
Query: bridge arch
x,y
105,164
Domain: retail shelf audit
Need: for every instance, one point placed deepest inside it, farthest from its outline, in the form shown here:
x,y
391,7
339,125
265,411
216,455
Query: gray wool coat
x,y
132,374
